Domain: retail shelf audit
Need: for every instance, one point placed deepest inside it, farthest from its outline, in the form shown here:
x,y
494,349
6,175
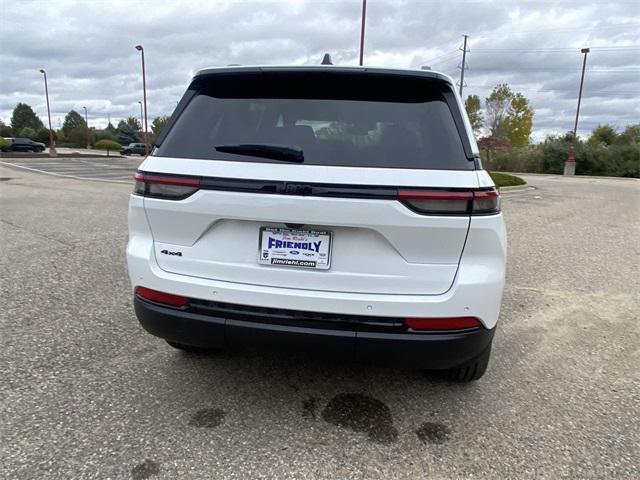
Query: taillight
x,y
451,202
162,297
486,201
452,323
165,186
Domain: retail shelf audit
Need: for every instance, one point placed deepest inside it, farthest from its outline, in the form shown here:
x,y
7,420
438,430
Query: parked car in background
x,y
23,145
134,149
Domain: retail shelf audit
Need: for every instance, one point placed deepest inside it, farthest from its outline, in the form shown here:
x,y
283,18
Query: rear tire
x,y
190,348
472,370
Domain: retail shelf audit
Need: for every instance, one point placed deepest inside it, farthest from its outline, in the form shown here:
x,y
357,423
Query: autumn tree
x,y
134,123
491,144
157,125
472,106
509,116
5,130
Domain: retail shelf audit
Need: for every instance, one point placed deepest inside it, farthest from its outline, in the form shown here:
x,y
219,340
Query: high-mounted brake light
x,y
451,202
453,323
167,187
162,297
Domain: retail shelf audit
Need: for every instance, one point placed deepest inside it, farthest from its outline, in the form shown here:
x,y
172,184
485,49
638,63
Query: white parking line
x,y
63,175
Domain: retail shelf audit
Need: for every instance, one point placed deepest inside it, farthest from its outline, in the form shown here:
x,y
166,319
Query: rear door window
x,y
337,120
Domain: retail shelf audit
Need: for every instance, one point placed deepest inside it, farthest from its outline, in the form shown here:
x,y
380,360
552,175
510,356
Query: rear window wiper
x,y
266,150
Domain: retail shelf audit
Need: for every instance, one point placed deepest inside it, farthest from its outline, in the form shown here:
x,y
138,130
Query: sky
x,y
87,49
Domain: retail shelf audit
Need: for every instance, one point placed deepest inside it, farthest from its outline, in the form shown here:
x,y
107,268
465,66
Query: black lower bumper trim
x,y
419,350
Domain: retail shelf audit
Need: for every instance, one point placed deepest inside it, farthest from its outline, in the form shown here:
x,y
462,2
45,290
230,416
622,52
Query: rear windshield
x,y
337,120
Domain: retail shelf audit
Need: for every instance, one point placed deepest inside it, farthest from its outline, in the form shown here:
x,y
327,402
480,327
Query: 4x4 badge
x,y
168,252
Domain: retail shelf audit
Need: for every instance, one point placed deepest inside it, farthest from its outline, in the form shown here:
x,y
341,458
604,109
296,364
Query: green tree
x,y
42,135
73,121
509,115
472,106
603,135
28,132
126,134
111,129
157,125
630,136
24,117
74,130
107,145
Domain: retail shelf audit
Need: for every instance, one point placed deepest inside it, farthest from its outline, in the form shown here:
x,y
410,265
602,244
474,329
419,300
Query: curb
x,y
516,188
559,175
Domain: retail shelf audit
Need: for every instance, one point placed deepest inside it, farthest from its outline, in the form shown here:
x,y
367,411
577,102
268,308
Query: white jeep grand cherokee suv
x,y
336,209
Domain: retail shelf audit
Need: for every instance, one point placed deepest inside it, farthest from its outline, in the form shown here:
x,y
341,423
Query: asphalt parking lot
x,y
109,169
87,394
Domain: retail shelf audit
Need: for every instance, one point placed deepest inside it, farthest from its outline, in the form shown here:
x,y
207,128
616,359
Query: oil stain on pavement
x,y
145,470
433,433
207,418
361,413
309,407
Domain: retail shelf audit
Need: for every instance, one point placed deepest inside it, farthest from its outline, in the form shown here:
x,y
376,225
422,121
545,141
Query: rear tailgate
x,y
359,136
378,244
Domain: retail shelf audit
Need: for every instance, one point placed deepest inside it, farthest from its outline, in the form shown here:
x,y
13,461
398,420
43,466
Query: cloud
x,y
534,46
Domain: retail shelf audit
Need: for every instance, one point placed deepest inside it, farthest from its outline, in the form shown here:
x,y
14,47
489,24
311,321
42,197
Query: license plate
x,y
295,248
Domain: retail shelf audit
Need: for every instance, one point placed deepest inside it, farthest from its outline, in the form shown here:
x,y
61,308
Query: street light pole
x,y
141,116
52,146
86,125
144,95
364,16
464,63
570,164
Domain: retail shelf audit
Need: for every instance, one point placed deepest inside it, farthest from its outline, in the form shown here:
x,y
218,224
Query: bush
x,y
104,135
620,159
506,180
77,137
108,145
526,160
4,144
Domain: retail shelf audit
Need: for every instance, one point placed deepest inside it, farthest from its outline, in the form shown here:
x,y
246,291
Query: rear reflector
x,y
161,297
451,202
165,186
453,323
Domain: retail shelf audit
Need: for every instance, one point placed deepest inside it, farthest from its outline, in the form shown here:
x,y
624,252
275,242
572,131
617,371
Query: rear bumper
x,y
338,340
